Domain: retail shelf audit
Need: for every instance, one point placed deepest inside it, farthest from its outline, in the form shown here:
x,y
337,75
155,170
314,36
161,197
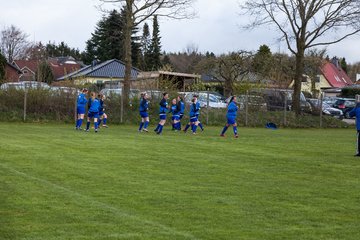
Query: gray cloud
x,y
216,29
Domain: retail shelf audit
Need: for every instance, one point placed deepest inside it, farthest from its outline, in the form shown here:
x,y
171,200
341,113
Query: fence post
x,y
246,108
207,109
285,108
122,104
320,109
25,104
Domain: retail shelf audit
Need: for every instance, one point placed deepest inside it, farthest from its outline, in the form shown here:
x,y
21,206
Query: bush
x,y
46,106
350,92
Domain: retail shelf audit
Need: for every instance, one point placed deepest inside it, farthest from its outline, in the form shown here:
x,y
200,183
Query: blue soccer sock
x,y
157,128
201,126
87,125
104,121
77,123
141,125
99,122
146,124
160,129
194,127
187,127
80,122
179,125
96,124
235,130
224,130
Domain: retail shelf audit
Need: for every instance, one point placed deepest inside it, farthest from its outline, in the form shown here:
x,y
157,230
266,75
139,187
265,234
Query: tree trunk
x,y
128,63
299,69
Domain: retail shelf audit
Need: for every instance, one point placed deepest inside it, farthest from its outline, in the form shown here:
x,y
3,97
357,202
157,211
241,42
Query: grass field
x,y
57,183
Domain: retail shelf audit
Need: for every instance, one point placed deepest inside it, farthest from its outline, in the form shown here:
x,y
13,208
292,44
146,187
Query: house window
x,y
25,71
317,79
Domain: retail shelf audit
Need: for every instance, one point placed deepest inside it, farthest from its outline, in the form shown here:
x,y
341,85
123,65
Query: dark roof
x,y
111,68
336,76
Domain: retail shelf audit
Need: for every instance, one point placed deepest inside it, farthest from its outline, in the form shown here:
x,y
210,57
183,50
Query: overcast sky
x,y
216,29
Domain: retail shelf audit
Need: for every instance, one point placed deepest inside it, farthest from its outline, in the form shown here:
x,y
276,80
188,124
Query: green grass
x,y
57,183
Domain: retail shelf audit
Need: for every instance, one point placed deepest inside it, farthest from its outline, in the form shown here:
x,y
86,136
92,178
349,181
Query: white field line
x,y
114,210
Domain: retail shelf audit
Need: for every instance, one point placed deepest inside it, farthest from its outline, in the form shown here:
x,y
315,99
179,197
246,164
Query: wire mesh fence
x,y
256,107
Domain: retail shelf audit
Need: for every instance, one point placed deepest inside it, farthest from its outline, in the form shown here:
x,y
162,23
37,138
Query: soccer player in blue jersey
x,y
81,105
181,106
175,110
231,117
144,107
102,114
93,112
162,113
194,114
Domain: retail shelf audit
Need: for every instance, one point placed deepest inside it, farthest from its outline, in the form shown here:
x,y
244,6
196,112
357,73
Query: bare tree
x,y
304,24
138,11
13,43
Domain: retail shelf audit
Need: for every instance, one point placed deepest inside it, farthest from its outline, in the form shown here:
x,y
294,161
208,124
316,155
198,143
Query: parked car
x,y
276,99
326,108
67,90
345,105
329,100
24,85
214,101
108,92
254,102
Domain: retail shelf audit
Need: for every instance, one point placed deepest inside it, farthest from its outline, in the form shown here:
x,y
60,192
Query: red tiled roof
x,y
30,64
336,76
58,70
63,69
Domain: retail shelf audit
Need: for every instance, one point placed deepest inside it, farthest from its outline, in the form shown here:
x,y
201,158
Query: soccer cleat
x,y
87,130
145,130
194,133
96,131
357,155
222,135
105,126
236,136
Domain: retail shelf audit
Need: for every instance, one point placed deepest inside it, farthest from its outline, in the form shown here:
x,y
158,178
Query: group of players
x,y
177,109
95,110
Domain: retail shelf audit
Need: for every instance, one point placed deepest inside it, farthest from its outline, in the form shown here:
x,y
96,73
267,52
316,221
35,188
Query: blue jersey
x,y
81,100
195,109
94,105
175,110
101,106
231,110
181,106
355,112
144,105
163,106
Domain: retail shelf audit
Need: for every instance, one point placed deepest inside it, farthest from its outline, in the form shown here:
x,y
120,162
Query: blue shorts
x,y
175,117
231,120
162,116
144,114
193,119
80,110
101,113
93,114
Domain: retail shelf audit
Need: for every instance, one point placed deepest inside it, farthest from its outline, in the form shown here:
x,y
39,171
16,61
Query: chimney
x,y
335,61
